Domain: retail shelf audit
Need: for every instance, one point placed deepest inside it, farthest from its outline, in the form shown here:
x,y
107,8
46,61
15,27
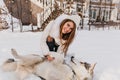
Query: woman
x,y
58,35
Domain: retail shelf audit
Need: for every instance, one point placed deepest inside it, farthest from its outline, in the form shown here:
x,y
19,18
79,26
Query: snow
x,y
101,47
96,46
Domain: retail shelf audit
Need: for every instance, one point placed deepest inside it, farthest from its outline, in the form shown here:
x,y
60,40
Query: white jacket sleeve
x,y
43,45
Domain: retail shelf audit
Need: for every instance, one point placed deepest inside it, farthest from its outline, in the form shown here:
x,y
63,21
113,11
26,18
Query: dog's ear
x,y
92,68
14,53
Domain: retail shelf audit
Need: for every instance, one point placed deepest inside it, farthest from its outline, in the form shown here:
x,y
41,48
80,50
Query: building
x,y
102,10
118,14
29,10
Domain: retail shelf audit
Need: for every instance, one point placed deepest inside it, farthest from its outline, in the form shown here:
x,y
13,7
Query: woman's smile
x,y
67,28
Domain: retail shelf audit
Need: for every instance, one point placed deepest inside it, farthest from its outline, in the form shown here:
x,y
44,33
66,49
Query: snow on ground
x,y
93,46
97,46
101,47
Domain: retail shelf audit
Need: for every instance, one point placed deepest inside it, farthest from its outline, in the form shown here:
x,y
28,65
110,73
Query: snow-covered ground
x,y
97,46
101,47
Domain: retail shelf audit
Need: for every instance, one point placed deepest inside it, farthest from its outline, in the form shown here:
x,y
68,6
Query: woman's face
x,y
67,27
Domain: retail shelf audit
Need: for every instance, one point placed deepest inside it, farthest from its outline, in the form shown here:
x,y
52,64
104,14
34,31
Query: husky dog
x,y
57,69
62,71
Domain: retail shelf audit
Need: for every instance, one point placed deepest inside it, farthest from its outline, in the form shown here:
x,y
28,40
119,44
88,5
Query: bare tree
x,y
10,8
90,15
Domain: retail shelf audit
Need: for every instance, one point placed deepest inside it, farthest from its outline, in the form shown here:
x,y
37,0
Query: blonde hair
x,y
69,36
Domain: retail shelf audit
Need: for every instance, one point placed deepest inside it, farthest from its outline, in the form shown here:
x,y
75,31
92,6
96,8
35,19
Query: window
x,y
46,3
94,14
118,16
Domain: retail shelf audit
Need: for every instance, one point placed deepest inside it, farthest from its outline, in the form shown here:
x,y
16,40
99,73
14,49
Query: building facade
x,y
28,10
102,10
118,14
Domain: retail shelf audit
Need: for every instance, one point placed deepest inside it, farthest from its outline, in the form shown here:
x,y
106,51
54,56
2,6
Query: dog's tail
x,y
15,54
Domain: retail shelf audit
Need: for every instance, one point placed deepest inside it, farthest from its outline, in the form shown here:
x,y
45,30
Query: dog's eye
x,y
81,62
87,66
72,56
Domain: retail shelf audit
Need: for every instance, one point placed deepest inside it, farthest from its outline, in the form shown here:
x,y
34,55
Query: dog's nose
x,y
72,57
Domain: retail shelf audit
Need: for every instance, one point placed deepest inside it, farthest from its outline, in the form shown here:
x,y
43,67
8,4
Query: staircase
x,y
52,16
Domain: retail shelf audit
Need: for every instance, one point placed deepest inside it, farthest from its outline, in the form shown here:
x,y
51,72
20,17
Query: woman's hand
x,y
49,58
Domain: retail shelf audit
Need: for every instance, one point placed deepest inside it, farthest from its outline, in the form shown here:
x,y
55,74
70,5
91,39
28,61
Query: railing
x,y
53,15
108,25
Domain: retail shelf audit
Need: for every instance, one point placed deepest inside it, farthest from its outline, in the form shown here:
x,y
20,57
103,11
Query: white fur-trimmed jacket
x,y
52,29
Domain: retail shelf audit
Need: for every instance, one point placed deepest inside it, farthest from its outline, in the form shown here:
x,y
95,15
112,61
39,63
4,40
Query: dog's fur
x,y
49,70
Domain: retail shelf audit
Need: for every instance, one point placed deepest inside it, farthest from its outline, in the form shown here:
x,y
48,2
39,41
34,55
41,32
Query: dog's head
x,y
89,67
83,70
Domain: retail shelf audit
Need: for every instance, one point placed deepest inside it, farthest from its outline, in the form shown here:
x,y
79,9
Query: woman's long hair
x,y
67,37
